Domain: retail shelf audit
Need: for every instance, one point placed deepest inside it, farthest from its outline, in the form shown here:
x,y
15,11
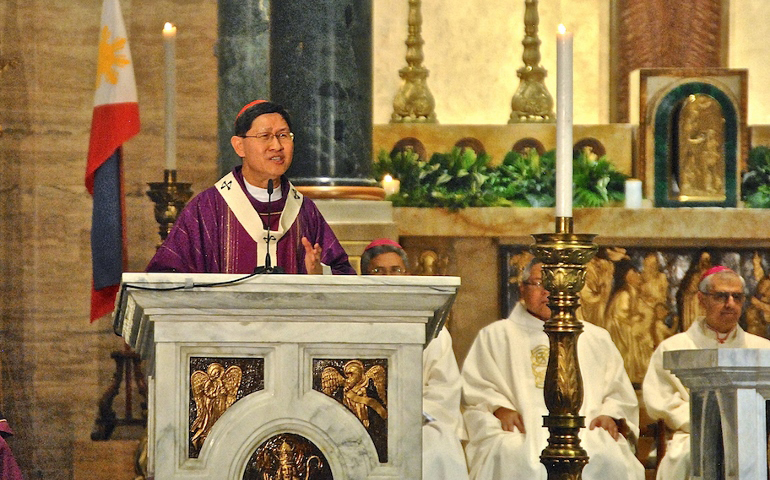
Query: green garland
x,y
461,178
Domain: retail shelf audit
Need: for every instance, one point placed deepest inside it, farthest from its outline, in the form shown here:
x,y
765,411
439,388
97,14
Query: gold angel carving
x,y
355,383
214,392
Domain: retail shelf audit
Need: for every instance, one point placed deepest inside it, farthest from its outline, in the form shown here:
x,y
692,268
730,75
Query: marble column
x,y
321,70
243,54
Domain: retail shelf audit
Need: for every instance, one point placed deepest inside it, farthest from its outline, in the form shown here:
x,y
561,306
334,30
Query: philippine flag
x,y
115,120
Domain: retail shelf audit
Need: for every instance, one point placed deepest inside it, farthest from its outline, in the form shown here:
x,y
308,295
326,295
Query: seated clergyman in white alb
x,y
442,430
504,375
721,294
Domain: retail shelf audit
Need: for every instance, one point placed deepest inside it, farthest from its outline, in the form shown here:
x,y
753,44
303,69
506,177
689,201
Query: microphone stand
x,y
268,267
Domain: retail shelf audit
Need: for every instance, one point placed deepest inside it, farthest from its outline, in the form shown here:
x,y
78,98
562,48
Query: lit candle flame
x,y
562,29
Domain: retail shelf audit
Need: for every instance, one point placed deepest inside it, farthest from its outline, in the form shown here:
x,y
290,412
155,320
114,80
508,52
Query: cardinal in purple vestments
x,y
216,231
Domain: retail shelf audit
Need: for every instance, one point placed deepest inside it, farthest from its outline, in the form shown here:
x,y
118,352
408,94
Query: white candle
x,y
633,193
390,185
169,47
563,123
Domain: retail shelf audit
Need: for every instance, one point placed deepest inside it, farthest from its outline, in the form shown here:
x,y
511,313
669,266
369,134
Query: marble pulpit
x,y
310,376
729,389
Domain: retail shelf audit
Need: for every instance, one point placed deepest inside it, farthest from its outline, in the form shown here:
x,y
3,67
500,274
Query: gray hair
x,y
705,285
369,254
527,272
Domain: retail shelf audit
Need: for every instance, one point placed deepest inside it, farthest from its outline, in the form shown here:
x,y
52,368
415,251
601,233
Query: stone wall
x,y
55,364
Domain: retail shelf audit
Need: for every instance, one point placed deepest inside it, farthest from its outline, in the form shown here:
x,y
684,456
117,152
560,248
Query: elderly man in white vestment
x,y
443,428
504,404
721,294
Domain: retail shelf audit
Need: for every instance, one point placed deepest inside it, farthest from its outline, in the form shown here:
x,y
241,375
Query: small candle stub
x,y
390,185
633,193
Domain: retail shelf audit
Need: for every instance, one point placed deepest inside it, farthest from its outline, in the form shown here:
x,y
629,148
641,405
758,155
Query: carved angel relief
x,y
214,391
354,383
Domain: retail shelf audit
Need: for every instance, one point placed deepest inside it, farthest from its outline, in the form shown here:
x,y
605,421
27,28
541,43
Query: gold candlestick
x,y
414,103
170,198
564,255
531,103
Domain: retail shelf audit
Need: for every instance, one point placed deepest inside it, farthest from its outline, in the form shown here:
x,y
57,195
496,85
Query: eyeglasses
x,y
538,283
723,297
267,137
387,271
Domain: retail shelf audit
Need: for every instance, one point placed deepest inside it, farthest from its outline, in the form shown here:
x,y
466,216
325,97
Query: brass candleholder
x,y
414,103
170,198
531,103
564,256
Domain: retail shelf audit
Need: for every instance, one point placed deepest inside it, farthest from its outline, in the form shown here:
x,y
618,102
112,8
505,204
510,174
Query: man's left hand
x,y
312,257
606,422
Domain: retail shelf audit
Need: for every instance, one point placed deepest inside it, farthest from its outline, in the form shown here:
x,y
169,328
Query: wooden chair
x,y
651,445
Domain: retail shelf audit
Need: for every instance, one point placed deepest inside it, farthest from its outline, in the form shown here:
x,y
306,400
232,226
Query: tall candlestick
x,y
563,123
169,47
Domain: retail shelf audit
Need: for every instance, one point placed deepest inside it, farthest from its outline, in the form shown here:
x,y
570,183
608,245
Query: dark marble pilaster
x,y
321,70
243,54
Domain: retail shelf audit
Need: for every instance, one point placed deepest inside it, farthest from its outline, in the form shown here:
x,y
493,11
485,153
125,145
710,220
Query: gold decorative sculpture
x,y
214,391
564,255
701,143
170,198
531,103
432,263
414,103
278,459
354,383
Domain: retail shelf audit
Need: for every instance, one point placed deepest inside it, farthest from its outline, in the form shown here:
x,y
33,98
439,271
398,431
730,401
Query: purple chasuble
x,y
208,238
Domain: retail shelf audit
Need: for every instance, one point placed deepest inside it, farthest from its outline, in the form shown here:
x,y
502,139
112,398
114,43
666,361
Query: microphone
x,y
269,268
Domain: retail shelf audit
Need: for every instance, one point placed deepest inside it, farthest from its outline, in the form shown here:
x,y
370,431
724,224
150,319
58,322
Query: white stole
x,y
247,216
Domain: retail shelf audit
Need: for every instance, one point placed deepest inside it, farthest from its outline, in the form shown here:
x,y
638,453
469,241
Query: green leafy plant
x,y
595,180
755,190
526,180
461,178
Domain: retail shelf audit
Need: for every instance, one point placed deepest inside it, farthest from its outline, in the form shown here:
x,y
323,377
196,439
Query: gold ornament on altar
x,y
414,103
214,391
531,103
354,383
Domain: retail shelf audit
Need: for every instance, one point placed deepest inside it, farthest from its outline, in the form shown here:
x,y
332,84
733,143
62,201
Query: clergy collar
x,y
720,338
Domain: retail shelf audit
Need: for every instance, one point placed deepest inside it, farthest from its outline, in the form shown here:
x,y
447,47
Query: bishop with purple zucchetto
x,y
253,217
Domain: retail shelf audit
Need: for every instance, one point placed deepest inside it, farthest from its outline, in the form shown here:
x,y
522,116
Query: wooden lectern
x,y
260,375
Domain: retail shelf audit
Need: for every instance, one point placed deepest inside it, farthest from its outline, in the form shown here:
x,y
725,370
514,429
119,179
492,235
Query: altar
x,y
252,375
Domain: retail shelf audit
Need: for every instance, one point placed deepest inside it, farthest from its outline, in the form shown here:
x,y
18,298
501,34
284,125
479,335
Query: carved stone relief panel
x,y
361,385
288,456
644,295
215,385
